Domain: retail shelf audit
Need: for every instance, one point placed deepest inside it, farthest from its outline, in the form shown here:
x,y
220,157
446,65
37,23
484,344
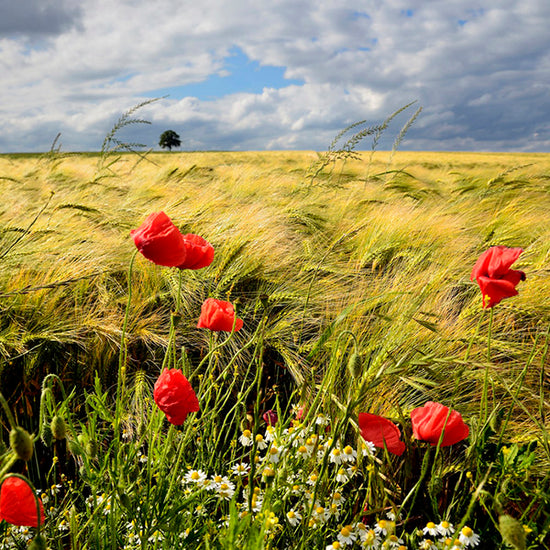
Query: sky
x,y
277,74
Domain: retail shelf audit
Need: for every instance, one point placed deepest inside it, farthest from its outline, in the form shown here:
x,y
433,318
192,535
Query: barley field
x,y
351,274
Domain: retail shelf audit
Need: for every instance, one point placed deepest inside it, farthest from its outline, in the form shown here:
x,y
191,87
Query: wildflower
x,y
268,473
342,476
312,479
260,442
445,529
346,535
240,469
320,514
218,315
322,420
160,241
274,454
493,274
199,252
226,490
349,453
270,417
381,432
174,396
433,419
427,544
294,517
18,503
383,527
393,542
467,537
269,434
157,536
431,529
336,456
246,438
334,546
271,521
311,442
194,476
370,539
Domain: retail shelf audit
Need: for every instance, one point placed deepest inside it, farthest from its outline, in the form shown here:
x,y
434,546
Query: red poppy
x,y
494,276
381,432
218,315
174,396
160,241
429,421
270,417
18,503
200,252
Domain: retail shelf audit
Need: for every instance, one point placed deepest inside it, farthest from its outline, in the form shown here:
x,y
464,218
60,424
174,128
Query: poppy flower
x,y
18,503
493,274
218,315
381,432
199,252
270,417
174,396
160,241
430,420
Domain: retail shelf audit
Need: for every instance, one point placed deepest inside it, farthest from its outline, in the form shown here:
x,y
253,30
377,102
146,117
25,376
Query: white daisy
x,y
349,453
468,537
445,528
294,517
260,442
342,475
240,469
246,438
194,476
322,420
347,535
336,456
226,490
431,529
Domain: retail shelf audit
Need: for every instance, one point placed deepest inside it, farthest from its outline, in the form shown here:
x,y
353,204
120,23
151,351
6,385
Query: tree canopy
x,y
169,139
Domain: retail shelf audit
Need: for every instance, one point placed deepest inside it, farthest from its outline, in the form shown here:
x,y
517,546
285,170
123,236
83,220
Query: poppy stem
x,y
484,409
7,410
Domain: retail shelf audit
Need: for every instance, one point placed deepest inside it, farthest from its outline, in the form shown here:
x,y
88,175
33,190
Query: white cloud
x,y
479,70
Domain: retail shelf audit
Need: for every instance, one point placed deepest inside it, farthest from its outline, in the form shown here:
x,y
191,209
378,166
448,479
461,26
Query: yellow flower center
x,y
348,450
247,433
467,532
430,525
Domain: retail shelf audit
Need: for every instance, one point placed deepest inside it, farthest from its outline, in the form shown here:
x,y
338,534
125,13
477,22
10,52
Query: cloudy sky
x,y
277,74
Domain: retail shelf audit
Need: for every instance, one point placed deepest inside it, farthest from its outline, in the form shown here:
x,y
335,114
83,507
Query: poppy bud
x,y
91,448
354,365
46,435
512,531
38,543
21,443
124,498
59,429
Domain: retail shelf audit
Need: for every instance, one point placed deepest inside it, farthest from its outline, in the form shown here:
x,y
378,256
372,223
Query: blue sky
x,y
286,74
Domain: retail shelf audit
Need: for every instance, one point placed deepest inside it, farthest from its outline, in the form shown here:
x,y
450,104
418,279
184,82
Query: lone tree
x,y
169,139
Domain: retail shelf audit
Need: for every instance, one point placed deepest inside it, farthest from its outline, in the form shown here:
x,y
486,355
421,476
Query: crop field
x,y
352,276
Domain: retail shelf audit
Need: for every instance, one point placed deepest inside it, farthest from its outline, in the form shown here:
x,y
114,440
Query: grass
x,y
365,261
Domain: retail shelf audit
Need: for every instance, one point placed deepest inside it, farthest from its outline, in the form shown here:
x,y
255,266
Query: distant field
x,y
381,246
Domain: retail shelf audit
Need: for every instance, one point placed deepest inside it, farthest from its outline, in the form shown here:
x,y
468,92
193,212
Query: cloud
x,y
37,17
481,72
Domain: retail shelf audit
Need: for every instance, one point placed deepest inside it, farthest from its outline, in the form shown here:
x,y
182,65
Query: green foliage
x,y
169,139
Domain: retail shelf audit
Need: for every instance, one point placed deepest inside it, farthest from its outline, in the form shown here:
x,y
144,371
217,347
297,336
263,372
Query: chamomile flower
x,y
431,529
269,434
240,469
226,490
322,420
312,478
260,442
303,452
342,475
274,454
467,537
384,526
427,544
445,528
320,514
334,546
349,453
368,448
370,539
246,438
347,535
393,542
336,456
194,476
293,517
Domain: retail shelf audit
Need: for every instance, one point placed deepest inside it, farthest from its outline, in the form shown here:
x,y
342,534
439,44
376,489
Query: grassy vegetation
x,y
327,258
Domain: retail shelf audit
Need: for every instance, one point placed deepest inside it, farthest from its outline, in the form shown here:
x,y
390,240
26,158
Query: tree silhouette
x,y
169,139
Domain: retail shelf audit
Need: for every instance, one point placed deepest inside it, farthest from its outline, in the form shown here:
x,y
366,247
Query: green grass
x,y
370,255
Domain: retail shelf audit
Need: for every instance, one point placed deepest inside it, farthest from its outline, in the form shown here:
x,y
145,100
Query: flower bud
x,y
512,531
355,365
59,429
91,448
39,543
21,443
46,435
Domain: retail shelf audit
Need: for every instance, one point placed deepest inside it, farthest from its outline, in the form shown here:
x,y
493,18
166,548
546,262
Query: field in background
x,y
381,246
